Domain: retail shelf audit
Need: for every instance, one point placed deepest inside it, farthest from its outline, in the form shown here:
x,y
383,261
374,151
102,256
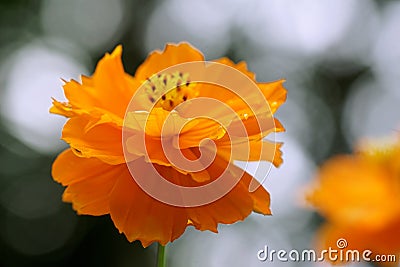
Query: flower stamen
x,y
169,90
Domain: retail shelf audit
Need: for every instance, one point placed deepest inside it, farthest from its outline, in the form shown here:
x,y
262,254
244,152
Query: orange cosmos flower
x,y
120,128
359,196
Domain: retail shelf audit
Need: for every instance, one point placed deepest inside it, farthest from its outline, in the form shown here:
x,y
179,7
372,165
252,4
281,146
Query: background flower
x,y
340,61
359,197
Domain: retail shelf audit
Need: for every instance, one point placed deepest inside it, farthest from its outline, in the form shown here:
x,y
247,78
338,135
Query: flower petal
x,y
197,130
241,66
89,181
155,123
154,153
275,93
103,141
260,196
235,206
172,55
256,127
109,89
151,149
251,150
140,217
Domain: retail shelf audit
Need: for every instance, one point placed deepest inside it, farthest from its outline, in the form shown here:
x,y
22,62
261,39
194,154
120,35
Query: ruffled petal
x,y
154,152
197,130
140,217
90,139
89,182
109,89
150,149
275,94
235,206
255,150
155,122
256,127
241,66
260,196
143,218
172,55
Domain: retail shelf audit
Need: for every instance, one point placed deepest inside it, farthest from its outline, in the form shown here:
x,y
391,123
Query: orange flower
x,y
119,125
359,196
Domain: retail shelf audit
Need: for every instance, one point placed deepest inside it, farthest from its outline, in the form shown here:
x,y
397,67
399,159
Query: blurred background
x,y
341,59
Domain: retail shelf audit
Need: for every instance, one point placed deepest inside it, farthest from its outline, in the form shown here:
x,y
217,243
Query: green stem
x,y
161,256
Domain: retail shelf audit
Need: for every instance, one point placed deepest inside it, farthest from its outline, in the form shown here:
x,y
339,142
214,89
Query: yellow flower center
x,y
169,90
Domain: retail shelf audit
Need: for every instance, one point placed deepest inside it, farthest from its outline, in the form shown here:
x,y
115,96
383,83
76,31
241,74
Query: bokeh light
x,y
306,27
208,28
370,111
386,53
90,23
33,73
